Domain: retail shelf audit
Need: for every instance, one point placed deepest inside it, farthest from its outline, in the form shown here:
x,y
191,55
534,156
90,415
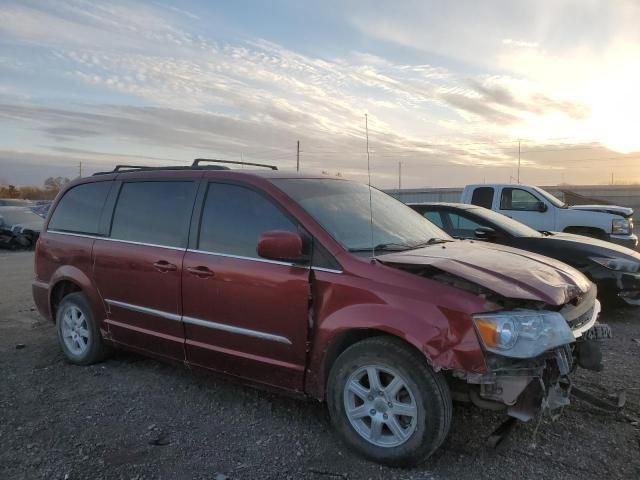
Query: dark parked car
x,y
613,268
19,227
282,279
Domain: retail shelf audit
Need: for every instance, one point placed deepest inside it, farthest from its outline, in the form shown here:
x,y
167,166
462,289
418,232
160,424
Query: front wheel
x,y
387,403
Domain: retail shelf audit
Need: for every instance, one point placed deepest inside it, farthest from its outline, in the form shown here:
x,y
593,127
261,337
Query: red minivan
x,y
317,286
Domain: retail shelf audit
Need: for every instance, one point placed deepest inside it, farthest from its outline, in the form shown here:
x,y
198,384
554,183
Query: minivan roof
x,y
217,166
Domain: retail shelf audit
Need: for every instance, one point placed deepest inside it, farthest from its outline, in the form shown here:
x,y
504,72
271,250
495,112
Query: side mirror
x,y
485,233
542,207
280,245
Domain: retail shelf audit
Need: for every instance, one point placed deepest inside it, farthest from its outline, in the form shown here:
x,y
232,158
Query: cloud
x,y
151,85
519,43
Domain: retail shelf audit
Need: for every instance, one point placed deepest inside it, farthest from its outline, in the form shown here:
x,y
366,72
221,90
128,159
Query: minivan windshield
x,y
342,208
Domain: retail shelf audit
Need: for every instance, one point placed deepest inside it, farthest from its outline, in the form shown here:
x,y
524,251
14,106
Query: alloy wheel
x,y
380,406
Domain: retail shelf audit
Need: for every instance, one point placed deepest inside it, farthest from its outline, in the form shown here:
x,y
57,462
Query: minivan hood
x,y
613,209
509,272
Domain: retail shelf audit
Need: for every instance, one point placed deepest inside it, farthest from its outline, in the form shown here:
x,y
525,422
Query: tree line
x,y
47,191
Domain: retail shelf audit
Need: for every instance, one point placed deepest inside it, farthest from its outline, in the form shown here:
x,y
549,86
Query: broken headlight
x,y
522,334
618,264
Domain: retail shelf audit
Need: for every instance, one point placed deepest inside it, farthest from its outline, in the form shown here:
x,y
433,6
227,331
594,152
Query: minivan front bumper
x,y
524,387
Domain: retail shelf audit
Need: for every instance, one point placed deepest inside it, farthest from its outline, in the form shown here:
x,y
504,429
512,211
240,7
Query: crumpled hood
x,y
613,209
506,271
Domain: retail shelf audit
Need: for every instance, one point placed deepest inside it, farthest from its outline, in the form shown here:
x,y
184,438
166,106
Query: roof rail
x,y
196,163
128,167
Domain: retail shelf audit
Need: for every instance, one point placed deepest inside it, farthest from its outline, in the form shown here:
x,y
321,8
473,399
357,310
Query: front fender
x,y
445,337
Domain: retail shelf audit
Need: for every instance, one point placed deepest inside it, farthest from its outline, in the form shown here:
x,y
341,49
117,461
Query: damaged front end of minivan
x,y
539,325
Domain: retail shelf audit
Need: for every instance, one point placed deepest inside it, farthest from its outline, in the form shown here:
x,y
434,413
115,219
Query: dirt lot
x,y
135,418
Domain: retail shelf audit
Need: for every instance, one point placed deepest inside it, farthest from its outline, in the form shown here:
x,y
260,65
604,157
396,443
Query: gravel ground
x,y
134,418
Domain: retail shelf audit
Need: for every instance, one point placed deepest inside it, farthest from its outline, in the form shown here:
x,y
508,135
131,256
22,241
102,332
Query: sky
x,y
455,92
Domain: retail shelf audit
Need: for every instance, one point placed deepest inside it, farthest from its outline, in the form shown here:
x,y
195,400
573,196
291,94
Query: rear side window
x,y
483,197
234,217
80,209
154,212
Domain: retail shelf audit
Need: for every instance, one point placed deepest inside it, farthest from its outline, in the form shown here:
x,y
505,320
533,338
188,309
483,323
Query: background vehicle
x,y
613,268
19,227
14,202
269,277
542,211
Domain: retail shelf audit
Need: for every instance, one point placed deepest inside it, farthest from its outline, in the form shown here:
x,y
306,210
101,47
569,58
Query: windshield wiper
x,y
431,241
386,247
400,247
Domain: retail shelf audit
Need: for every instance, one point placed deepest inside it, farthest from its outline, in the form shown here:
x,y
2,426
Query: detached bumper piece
x,y
524,387
548,392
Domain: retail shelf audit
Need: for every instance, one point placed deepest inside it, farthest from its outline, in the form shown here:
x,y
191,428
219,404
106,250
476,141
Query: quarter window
x,y
518,199
80,209
483,197
234,217
154,212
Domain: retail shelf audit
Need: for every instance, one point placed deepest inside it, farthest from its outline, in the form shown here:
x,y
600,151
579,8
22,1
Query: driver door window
x,y
518,199
234,217
461,226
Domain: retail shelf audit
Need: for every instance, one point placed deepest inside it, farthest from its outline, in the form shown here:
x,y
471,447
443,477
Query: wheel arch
x,y
60,290
345,339
69,279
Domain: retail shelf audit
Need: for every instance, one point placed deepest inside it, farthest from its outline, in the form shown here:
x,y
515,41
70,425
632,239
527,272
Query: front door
x,y
138,269
244,315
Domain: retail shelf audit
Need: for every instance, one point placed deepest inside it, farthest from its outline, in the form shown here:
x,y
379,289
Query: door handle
x,y
164,266
201,271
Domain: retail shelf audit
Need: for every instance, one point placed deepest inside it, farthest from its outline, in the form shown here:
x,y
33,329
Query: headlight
x,y
618,264
522,334
620,226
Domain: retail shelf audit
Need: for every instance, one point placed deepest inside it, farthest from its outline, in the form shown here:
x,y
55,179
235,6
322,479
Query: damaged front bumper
x,y
523,387
526,387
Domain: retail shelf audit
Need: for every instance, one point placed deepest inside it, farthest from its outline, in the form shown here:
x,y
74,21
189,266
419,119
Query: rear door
x,y
522,205
138,268
243,315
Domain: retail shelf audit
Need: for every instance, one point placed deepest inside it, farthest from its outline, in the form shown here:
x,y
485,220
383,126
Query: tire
x,y
424,393
78,332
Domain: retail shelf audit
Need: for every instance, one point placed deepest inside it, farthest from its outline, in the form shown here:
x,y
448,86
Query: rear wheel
x,y
78,333
387,403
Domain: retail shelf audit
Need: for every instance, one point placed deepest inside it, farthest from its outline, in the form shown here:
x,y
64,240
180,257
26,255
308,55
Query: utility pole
x,y
80,169
611,177
399,176
518,161
298,157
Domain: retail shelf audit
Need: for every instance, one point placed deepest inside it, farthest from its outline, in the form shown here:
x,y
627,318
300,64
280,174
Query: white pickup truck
x,y
539,209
